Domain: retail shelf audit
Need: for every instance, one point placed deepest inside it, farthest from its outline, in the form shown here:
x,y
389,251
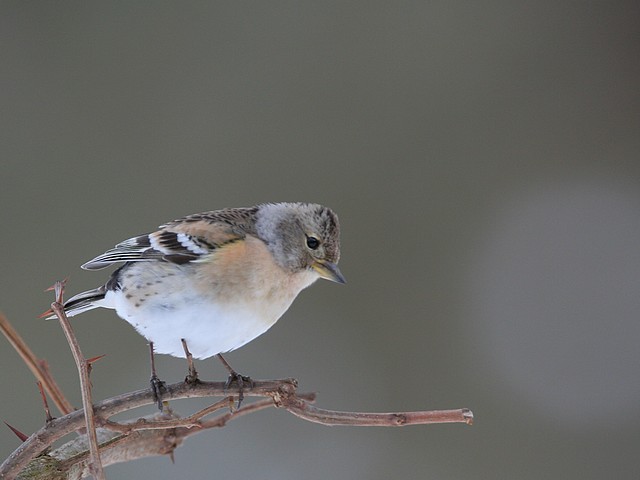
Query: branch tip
x,y
468,415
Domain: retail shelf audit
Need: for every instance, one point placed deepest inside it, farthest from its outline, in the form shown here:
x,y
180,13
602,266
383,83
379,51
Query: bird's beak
x,y
329,271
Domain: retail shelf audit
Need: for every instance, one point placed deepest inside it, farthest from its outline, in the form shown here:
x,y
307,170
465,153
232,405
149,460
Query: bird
x,y
209,283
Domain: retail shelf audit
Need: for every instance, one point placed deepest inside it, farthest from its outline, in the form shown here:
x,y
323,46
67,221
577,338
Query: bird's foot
x,y
240,381
158,388
235,377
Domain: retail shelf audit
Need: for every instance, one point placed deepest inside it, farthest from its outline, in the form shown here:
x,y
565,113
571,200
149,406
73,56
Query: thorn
x,y
47,411
95,359
46,314
90,362
172,457
54,286
18,433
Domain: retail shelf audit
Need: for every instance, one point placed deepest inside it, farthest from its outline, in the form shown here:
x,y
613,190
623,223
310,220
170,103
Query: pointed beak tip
x,y
329,271
340,278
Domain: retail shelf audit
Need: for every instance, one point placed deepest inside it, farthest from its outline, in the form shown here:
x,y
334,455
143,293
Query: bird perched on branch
x,y
216,280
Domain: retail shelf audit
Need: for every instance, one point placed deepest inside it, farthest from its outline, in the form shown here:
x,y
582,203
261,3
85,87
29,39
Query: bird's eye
x,y
313,243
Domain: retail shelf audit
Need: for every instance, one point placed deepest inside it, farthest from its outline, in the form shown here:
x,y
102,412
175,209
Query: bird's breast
x,y
216,304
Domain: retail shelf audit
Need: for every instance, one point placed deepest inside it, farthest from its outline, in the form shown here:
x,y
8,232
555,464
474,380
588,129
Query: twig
x,y
398,419
47,412
287,398
192,376
187,422
85,383
38,367
194,420
222,420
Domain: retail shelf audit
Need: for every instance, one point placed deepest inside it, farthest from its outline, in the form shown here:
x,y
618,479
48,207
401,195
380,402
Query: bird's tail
x,y
82,302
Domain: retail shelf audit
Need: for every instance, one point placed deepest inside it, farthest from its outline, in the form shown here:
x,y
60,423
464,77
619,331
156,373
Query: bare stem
x,y
85,384
187,422
47,412
397,419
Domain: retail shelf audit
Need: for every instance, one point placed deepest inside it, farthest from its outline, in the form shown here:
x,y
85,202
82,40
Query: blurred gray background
x,y
483,159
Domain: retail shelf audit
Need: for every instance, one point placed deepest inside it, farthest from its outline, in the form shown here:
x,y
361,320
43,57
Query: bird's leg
x,y
192,376
158,387
234,376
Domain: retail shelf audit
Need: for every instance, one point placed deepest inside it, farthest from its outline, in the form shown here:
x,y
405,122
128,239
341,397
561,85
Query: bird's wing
x,y
183,240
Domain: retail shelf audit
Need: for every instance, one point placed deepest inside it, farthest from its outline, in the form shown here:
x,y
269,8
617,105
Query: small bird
x,y
216,280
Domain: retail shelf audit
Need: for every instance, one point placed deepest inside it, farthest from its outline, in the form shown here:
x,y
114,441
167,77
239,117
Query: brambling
x,y
216,280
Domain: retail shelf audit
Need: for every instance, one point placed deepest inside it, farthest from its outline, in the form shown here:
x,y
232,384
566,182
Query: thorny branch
x,y
95,466
161,433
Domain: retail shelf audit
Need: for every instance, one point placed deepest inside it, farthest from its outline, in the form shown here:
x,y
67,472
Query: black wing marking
x,y
161,245
182,240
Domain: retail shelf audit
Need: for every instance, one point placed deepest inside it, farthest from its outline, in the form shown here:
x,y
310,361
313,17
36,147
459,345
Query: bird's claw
x,y
239,380
158,387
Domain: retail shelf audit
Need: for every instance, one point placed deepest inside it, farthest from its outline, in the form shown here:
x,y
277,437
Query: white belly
x,y
209,327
